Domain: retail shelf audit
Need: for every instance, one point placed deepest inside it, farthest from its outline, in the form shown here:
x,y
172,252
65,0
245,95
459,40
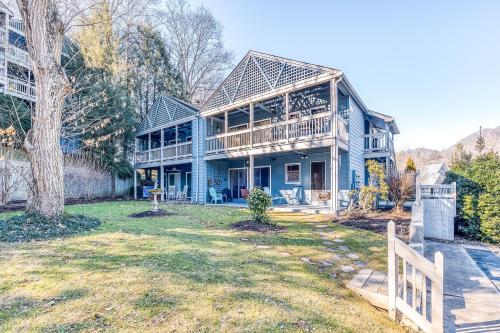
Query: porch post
x,y
334,160
135,184
149,146
251,125
287,112
176,140
251,173
162,138
162,186
226,128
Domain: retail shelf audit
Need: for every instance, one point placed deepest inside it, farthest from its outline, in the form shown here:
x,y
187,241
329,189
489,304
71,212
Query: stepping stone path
x,y
328,243
338,240
263,247
321,226
306,260
347,269
352,256
244,239
325,263
360,263
343,248
285,254
335,257
330,249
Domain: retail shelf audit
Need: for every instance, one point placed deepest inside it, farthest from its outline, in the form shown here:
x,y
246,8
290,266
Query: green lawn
x,y
186,273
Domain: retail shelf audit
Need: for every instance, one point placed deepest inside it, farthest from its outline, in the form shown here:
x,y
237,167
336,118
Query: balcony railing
x,y
172,152
378,143
17,25
18,56
21,87
303,129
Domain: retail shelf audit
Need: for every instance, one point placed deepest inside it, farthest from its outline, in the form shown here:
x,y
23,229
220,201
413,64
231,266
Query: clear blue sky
x,y
433,66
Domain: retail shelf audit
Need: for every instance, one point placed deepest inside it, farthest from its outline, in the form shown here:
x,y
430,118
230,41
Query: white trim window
x,y
292,173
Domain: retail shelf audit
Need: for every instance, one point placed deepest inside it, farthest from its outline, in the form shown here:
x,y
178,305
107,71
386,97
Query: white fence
x,y
408,283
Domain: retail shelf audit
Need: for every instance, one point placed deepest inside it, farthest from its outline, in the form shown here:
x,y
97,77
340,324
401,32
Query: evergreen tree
x,y
460,158
480,143
410,164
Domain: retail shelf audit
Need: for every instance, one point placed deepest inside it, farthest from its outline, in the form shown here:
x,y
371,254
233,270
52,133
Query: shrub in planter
x,y
258,203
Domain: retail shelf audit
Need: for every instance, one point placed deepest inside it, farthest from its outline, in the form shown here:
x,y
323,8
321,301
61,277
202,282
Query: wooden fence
x,y
409,274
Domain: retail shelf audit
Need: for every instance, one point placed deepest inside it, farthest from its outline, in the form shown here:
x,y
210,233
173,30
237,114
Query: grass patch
x,y
28,227
188,272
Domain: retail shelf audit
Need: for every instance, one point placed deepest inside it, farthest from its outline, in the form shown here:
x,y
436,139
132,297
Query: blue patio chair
x,y
215,197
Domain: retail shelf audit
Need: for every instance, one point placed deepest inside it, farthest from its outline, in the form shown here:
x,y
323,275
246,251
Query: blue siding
x,y
356,143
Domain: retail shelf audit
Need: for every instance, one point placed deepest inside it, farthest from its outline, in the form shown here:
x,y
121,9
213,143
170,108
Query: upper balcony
x,y
299,119
169,144
379,144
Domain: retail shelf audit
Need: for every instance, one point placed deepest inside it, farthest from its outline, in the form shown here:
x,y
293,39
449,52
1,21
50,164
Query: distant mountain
x,y
424,156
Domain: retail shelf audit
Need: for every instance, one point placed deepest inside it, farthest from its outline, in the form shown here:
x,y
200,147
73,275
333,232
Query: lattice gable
x,y
259,73
165,110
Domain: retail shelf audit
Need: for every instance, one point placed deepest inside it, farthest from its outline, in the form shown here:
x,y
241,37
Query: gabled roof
x,y
166,109
380,119
258,73
5,8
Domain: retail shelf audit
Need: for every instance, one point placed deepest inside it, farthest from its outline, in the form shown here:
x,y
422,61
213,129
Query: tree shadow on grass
x,y
21,307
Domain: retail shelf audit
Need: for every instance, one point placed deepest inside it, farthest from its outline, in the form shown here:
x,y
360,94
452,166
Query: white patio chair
x,y
183,195
171,192
296,196
215,197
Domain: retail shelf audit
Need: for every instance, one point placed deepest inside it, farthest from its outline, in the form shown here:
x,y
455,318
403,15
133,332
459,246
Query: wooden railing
x,y
17,55
17,25
305,128
20,87
310,127
438,191
215,143
409,295
238,139
378,142
263,135
178,151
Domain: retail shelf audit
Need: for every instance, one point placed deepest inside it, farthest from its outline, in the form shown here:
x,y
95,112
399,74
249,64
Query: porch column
x,y
251,173
387,166
334,151
162,186
162,138
176,140
226,128
251,125
287,112
149,146
135,184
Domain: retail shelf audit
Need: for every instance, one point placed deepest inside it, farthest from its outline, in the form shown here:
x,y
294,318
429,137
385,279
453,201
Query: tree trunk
x,y
44,32
113,184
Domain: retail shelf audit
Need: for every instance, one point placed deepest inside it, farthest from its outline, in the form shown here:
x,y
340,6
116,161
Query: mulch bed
x,y
150,213
250,225
377,222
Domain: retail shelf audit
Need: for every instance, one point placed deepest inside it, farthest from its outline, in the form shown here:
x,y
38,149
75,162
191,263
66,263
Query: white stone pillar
x,y
334,151
162,185
251,125
135,184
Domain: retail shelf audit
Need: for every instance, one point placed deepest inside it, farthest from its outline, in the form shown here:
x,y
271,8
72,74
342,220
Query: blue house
x,y
166,148
299,131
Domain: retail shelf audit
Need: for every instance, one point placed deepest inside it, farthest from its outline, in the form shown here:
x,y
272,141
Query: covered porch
x,y
293,179
175,180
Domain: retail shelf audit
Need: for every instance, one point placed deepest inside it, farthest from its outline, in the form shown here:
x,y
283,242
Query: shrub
x,y
377,188
29,226
258,203
489,214
478,194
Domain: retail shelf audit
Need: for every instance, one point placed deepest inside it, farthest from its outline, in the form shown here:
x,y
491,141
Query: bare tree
x,y
401,187
14,173
194,37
